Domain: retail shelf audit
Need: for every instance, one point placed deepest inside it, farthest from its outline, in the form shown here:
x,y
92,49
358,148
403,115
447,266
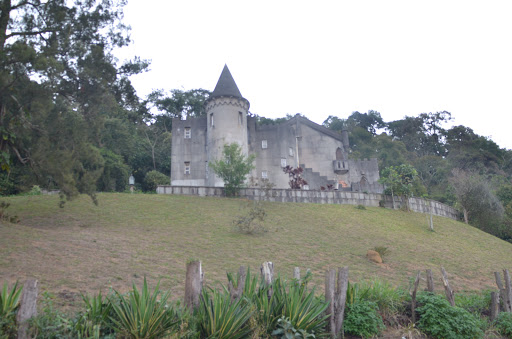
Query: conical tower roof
x,y
226,86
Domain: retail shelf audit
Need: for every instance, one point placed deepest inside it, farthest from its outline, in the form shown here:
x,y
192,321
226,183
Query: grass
x,y
88,248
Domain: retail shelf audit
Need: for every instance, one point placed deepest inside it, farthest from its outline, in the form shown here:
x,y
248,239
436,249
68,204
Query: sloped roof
x,y
226,85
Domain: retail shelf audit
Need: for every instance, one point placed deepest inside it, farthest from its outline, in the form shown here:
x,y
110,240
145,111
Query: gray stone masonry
x,y
318,197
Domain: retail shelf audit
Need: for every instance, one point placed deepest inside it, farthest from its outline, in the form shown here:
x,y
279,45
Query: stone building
x,y
322,153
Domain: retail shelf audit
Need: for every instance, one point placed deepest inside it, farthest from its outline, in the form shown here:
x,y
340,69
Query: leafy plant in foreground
x,y
504,324
440,320
96,318
219,318
285,330
363,320
141,314
9,303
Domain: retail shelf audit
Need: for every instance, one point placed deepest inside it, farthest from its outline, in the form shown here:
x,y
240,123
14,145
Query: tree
x,y
233,167
59,84
476,199
296,182
400,181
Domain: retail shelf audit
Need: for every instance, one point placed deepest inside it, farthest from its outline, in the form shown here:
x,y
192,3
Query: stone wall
x,y
318,197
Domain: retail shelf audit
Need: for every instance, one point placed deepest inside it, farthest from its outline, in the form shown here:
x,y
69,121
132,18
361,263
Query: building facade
x,y
322,153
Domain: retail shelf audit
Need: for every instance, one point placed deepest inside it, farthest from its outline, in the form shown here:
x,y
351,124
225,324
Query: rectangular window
x,y
305,187
283,162
290,151
264,175
240,118
187,167
188,133
211,119
263,144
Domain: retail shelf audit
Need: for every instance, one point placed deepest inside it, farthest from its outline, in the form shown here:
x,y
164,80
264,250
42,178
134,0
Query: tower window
x,y
187,167
283,162
263,144
211,119
290,151
264,174
188,133
240,118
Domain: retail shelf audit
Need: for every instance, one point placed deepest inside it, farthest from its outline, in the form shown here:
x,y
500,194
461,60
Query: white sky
x,y
322,58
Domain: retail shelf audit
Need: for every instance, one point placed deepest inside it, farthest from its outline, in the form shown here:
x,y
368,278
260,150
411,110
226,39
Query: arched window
x,y
339,154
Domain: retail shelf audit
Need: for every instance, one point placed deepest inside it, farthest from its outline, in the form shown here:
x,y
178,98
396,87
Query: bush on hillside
x,y
153,179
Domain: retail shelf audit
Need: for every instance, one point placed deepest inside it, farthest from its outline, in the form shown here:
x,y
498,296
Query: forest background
x,y
71,120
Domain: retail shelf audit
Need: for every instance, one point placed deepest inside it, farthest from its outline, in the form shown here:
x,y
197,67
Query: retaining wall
x,y
318,197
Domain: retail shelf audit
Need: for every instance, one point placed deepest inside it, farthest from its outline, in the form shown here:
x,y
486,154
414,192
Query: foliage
x,y
233,167
96,320
382,250
296,181
504,324
474,302
360,207
141,314
362,319
4,216
51,323
251,220
180,104
440,320
285,330
218,317
153,179
114,177
9,303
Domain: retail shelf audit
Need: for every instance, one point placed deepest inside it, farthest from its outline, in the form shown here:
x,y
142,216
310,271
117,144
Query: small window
x,y
188,133
290,151
187,167
264,175
283,162
240,118
263,144
211,119
305,187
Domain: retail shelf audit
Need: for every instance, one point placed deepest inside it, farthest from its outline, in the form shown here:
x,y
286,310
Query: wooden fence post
x,y
447,288
430,281
237,292
296,273
28,307
495,305
413,296
193,284
503,292
336,295
340,298
508,290
267,273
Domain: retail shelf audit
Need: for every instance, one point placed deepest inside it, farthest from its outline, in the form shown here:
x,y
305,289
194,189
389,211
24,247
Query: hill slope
x,y
83,247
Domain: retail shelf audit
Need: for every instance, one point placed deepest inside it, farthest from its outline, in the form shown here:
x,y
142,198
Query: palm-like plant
x,y
9,303
141,314
221,318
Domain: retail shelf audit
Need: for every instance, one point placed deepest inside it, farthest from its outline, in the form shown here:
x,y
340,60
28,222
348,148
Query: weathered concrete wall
x,y
192,150
319,197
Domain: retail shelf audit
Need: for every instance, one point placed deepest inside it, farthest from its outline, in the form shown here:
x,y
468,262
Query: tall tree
x,y
57,65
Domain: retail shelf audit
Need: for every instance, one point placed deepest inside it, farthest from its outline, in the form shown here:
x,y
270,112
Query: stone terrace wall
x,y
318,197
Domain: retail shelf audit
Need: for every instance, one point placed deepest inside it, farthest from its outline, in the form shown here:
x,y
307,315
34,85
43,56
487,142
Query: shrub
x,y
504,324
153,179
286,330
115,172
51,323
440,320
251,220
220,318
141,314
97,317
9,303
360,207
474,302
362,319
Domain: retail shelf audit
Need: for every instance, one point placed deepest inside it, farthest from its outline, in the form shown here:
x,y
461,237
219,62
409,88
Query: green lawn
x,y
84,247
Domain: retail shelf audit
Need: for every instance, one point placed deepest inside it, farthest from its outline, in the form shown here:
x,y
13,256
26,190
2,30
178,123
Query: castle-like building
x,y
321,152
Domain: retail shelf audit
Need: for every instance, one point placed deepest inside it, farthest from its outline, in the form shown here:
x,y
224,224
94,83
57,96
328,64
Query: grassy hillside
x,y
83,247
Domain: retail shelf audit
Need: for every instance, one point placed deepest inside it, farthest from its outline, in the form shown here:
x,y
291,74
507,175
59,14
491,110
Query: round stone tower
x,y
226,111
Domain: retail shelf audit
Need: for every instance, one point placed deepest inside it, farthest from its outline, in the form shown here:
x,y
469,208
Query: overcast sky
x,y
322,58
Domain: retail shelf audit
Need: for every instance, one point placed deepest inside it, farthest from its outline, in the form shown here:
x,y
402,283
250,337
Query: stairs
x,y
314,179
